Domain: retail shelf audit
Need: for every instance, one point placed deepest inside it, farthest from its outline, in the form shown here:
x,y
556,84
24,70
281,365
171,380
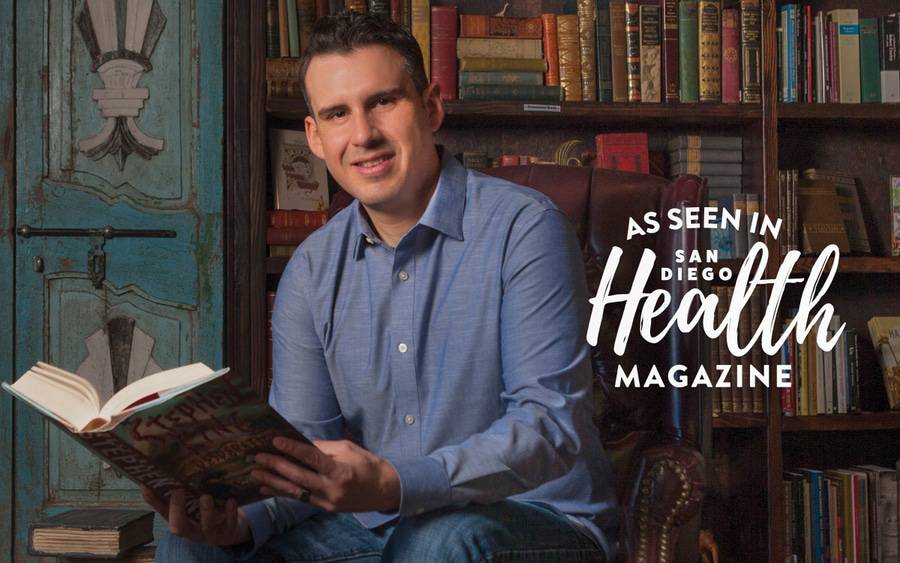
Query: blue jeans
x,y
507,531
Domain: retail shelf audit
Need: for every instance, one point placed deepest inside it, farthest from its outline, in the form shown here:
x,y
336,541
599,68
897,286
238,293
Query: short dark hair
x,y
348,31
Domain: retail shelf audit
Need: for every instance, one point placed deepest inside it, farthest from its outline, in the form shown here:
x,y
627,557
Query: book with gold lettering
x,y
710,21
569,57
188,428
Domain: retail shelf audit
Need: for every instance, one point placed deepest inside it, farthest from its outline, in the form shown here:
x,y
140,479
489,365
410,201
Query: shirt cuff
x,y
424,485
260,530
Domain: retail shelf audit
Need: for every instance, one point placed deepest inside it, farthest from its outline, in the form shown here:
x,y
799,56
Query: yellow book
x,y
847,21
421,30
885,334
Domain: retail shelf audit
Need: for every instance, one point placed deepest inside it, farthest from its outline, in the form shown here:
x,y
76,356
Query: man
x,y
439,323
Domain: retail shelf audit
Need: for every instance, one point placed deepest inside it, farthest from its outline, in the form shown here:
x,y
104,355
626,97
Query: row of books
x,y
821,207
745,394
848,515
822,382
837,57
287,228
610,50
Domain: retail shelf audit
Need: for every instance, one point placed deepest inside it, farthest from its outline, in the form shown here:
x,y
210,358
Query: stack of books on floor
x,y
822,381
94,533
837,56
841,514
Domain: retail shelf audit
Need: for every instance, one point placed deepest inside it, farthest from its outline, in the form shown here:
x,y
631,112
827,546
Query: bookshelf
x,y
862,139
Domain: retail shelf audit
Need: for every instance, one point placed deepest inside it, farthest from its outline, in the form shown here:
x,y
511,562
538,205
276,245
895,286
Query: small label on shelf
x,y
556,108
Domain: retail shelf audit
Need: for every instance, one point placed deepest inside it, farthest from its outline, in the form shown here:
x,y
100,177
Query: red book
x,y
670,50
731,59
500,26
395,11
623,151
551,49
296,218
288,236
443,49
509,160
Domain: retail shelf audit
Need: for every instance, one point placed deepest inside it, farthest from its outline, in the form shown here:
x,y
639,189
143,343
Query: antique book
x,y
569,57
604,53
510,92
289,236
848,199
551,49
622,151
707,168
721,345
90,532
273,47
284,45
299,177
704,142
618,50
882,483
296,218
287,88
705,155
869,67
499,26
670,50
443,49
731,63
504,65
688,53
293,28
822,222
751,52
470,78
710,46
188,428
283,69
633,50
889,40
492,47
587,48
306,19
420,17
847,23
651,55
885,334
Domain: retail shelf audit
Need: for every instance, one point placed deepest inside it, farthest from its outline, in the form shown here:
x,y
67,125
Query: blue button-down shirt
x,y
459,355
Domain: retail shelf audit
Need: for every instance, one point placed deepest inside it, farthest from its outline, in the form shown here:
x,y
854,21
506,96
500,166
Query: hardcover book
x,y
670,50
618,48
443,47
751,52
551,49
633,50
847,22
651,57
689,57
492,47
499,26
604,53
731,62
569,57
885,334
188,428
587,48
821,218
709,16
90,532
889,40
623,151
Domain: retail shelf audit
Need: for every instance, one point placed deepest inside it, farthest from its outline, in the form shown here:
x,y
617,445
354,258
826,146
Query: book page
x,y
158,383
52,394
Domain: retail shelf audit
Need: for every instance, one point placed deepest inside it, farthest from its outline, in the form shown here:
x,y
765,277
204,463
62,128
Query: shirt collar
x,y
444,212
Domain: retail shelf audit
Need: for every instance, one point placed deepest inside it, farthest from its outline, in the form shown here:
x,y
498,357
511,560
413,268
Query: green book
x,y
869,65
293,28
688,58
524,92
469,78
500,64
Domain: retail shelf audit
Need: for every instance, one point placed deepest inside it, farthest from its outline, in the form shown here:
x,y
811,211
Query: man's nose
x,y
365,129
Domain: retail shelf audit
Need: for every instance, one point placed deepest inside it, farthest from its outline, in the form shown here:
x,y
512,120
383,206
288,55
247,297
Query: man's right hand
x,y
215,527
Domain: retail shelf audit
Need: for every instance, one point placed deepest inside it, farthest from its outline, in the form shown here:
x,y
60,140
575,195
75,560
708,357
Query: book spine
x,y
587,48
380,8
604,53
809,60
284,88
651,59
293,28
721,345
801,53
272,40
889,39
828,58
835,71
551,49
848,54
295,218
710,50
282,69
688,36
731,73
289,235
443,47
705,142
491,47
499,26
670,72
633,50
321,8
707,168
471,78
284,43
705,155
358,6
421,30
569,57
396,16
306,19
870,83
617,45
505,65
510,92
751,52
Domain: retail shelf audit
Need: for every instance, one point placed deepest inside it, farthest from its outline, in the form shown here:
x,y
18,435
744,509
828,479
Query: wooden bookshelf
x,y
734,420
862,114
868,421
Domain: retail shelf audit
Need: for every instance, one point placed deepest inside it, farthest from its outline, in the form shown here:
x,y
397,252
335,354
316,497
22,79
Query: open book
x,y
189,427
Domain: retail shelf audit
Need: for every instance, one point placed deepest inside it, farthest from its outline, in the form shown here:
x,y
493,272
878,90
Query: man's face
x,y
371,127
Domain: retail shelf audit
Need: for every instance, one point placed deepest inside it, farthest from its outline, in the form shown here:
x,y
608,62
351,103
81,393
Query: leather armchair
x,y
651,435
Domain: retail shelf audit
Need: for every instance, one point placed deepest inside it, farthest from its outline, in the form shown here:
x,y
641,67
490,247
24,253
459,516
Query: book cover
x,y
889,40
551,49
710,47
490,47
633,50
510,92
869,66
689,54
300,178
618,47
293,28
731,64
751,52
471,25
273,47
443,45
848,200
847,22
587,48
622,151
651,56
420,16
90,532
822,222
306,19
471,78
496,64
569,57
604,53
670,56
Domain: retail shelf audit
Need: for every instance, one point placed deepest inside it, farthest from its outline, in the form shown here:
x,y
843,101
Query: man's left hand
x,y
339,475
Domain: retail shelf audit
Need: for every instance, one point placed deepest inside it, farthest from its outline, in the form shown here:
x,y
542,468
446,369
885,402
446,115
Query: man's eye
x,y
337,114
385,101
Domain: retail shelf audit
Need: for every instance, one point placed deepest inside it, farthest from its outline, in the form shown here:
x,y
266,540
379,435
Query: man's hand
x,y
228,527
339,475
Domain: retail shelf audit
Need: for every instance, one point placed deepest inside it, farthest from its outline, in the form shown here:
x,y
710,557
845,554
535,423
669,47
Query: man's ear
x,y
434,105
312,137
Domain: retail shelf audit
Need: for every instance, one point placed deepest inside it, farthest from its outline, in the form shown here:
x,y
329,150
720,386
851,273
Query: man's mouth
x,y
374,166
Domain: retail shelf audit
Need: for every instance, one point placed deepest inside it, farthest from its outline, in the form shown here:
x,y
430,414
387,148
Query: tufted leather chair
x,y
651,435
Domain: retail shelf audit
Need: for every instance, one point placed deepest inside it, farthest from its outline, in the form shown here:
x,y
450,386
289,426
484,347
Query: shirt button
x,y
409,420
402,348
369,240
403,276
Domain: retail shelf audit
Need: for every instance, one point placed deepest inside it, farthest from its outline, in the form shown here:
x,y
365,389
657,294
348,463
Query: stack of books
x,y
837,57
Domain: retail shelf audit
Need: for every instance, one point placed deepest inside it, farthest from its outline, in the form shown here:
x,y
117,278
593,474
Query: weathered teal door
x,y
118,124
